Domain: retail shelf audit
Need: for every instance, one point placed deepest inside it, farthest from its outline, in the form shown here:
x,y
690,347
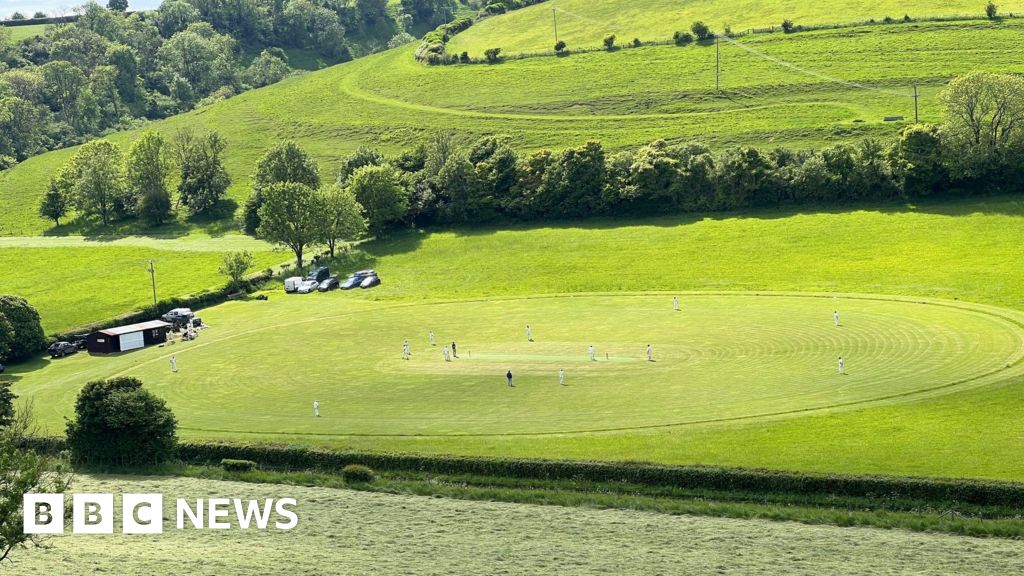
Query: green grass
x,y
584,23
948,250
74,281
624,99
19,33
366,533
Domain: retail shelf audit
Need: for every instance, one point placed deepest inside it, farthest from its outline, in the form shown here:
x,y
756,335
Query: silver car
x,y
308,286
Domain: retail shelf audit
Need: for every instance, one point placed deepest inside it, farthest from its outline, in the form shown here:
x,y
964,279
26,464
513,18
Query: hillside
x,y
851,79
583,23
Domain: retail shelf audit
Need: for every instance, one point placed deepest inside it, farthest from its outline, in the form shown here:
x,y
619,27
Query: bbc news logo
x,y
144,513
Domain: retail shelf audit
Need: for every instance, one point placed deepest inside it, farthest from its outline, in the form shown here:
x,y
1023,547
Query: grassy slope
x,y
365,533
953,250
622,98
586,22
19,33
72,281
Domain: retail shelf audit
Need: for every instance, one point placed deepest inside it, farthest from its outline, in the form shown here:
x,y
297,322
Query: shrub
x,y
358,473
464,58
788,26
493,55
991,11
232,465
22,334
906,18
118,422
682,38
701,31
609,42
560,46
637,43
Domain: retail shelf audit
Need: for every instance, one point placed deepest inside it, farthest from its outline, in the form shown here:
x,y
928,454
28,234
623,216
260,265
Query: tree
x,y
315,27
24,471
147,168
682,38
286,162
343,217
38,15
991,11
609,42
204,180
126,76
788,26
200,57
117,5
7,398
94,179
560,46
173,16
363,156
267,68
291,215
17,16
915,160
985,109
431,12
235,265
378,190
64,91
461,197
701,31
493,55
7,337
21,127
54,205
251,213
573,185
117,421
25,326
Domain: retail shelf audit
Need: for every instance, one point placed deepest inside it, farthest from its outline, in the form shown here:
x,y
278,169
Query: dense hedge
x,y
976,492
195,301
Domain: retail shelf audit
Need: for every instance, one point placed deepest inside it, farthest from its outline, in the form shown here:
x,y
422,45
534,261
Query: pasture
x,y
583,23
19,33
351,532
624,99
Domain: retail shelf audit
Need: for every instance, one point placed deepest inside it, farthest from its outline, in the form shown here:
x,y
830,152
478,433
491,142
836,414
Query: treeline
x,y
109,70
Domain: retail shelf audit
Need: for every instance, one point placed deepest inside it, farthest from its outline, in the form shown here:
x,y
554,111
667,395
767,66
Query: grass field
x,y
624,99
949,250
584,23
19,33
342,531
74,281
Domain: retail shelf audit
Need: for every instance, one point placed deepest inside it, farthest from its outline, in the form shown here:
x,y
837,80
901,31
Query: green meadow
x,y
584,23
19,33
353,532
624,99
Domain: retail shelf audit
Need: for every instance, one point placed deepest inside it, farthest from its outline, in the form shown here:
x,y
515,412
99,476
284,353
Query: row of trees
x,y
108,70
100,181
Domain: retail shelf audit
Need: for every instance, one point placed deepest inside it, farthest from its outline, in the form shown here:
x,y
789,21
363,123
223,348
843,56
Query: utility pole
x,y
152,277
718,65
554,19
916,121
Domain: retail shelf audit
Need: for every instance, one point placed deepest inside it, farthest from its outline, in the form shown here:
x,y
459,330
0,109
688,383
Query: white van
x,y
291,285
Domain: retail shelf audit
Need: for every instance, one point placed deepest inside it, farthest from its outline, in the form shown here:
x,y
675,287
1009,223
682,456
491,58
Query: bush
x,y
701,31
682,38
118,422
991,11
560,46
231,465
358,473
493,55
609,42
788,26
637,43
464,58
22,333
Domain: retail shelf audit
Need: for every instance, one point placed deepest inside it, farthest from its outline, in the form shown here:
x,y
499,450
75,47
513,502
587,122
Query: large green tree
x,y
286,162
204,180
94,179
25,335
343,219
147,169
378,190
292,215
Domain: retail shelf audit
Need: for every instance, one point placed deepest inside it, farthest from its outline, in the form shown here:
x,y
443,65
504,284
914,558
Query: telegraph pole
x,y
554,19
152,277
718,65
916,121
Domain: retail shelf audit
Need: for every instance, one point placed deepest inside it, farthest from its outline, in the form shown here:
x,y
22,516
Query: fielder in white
x,y
675,303
174,364
430,336
405,350
650,353
593,357
561,376
316,409
842,365
529,333
447,355
835,316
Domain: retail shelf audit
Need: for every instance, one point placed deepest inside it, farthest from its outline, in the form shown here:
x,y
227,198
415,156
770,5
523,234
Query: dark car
x,y
319,275
79,340
330,284
61,349
356,279
370,282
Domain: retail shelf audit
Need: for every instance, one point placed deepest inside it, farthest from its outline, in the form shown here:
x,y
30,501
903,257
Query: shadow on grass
x,y
216,222
15,372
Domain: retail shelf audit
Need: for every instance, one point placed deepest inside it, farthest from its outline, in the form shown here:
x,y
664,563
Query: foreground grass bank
x,y
365,533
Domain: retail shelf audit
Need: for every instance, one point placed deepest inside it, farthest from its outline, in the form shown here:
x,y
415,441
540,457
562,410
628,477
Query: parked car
x,y
370,282
79,340
319,275
178,316
308,286
291,285
356,279
330,284
61,349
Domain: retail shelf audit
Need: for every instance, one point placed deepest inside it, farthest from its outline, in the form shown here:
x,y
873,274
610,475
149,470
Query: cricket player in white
x,y
316,409
841,365
593,358
447,355
430,336
405,350
561,376
174,364
675,303
835,316
529,333
650,353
